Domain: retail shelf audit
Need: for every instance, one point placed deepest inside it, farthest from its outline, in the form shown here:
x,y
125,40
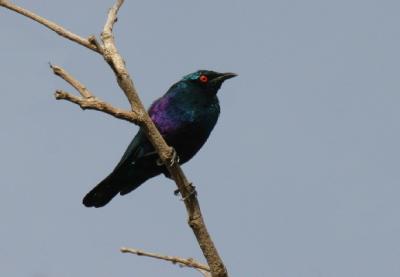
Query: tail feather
x,y
134,185
136,166
119,181
101,194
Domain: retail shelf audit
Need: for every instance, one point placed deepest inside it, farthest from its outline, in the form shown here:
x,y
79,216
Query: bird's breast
x,y
186,129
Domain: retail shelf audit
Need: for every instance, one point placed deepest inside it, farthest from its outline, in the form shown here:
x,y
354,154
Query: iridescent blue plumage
x,y
185,117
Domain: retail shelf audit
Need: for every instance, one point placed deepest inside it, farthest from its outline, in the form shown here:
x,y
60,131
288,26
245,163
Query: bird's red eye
x,y
203,79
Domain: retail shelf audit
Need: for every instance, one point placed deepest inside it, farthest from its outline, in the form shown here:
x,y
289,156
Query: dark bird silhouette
x,y
185,117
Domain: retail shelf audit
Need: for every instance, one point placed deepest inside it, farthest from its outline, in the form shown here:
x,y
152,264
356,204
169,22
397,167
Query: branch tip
x,y
182,262
49,24
57,94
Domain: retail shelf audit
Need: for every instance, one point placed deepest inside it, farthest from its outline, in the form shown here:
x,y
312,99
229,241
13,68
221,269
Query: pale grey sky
x,y
299,178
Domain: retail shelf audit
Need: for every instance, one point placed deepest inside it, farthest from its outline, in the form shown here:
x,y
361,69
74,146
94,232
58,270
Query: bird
x,y
185,116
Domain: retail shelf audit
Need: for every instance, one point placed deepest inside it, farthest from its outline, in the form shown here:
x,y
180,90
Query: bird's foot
x,y
191,193
174,159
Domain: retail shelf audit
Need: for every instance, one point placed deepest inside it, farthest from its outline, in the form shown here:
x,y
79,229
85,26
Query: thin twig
x,y
112,17
115,60
51,25
173,259
71,80
99,105
88,101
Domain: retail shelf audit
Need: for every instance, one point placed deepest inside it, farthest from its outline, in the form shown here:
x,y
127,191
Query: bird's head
x,y
207,80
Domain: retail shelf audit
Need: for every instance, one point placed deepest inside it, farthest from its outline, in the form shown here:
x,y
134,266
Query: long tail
x,y
119,181
115,183
101,194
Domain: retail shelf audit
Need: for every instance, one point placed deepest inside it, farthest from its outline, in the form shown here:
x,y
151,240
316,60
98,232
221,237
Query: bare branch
x,y
112,17
196,222
99,105
88,101
173,259
115,60
71,80
51,25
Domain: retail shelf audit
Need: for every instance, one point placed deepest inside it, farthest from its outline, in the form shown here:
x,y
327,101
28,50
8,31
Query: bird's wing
x,y
139,148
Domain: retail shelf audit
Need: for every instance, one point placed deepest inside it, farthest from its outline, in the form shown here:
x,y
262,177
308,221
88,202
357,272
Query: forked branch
x,y
88,101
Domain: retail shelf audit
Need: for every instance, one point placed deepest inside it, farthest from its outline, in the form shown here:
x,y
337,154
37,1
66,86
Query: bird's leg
x,y
174,157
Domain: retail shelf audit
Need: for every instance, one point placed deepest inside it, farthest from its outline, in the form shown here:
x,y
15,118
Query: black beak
x,y
223,76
